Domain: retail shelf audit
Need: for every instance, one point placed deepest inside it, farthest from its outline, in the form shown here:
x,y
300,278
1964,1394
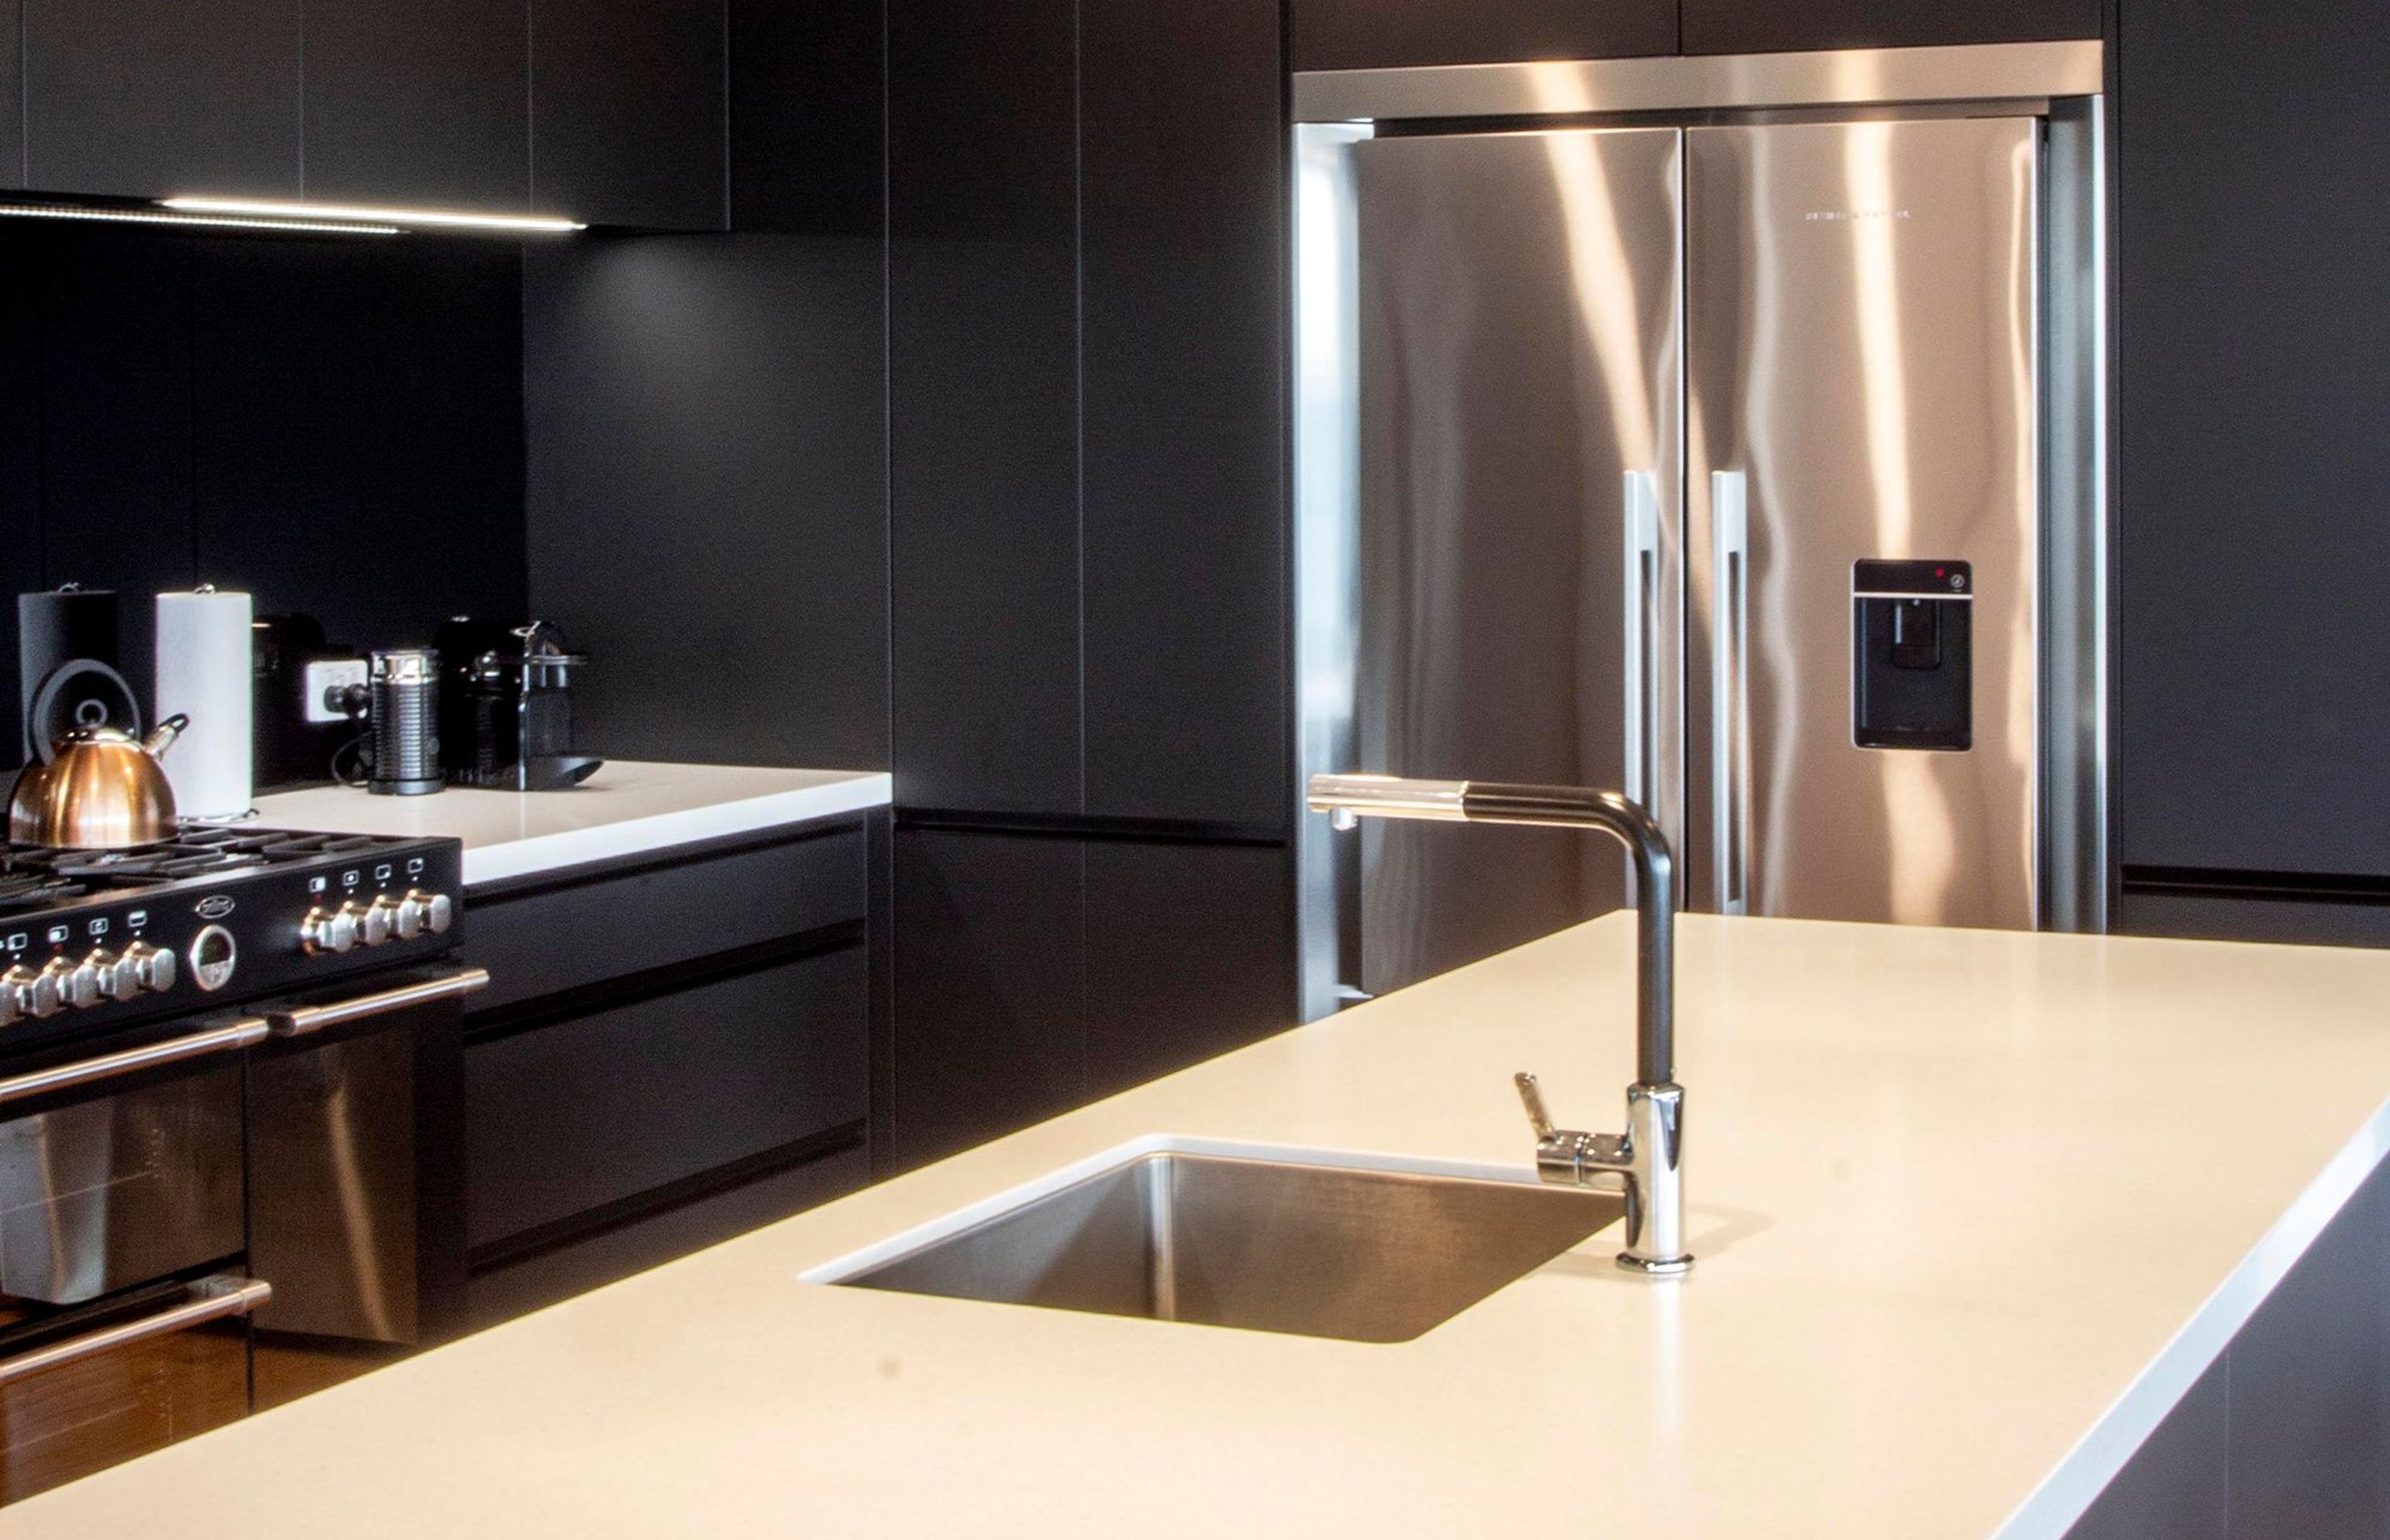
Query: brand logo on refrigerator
x,y
214,908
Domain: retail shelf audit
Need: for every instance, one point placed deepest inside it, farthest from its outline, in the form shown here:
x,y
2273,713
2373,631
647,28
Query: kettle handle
x,y
162,737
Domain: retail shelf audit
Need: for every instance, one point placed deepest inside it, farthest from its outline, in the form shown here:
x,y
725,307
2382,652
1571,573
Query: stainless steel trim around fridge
x,y
1989,72
302,1021
237,1035
211,1299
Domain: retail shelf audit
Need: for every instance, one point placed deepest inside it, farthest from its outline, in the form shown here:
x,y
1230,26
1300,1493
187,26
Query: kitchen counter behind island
x,y
1973,1210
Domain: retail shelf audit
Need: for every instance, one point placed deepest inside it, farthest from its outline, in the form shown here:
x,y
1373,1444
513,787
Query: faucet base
x,y
1655,1267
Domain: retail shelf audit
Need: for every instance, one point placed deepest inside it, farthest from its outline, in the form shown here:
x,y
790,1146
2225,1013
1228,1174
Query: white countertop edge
x,y
2068,1492
547,853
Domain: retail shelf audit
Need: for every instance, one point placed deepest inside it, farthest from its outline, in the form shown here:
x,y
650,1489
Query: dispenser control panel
x,y
1912,655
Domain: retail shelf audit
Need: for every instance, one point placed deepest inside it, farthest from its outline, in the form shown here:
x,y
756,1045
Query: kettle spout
x,y
162,737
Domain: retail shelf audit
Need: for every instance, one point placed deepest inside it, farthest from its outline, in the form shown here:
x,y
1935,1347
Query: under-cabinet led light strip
x,y
365,213
318,225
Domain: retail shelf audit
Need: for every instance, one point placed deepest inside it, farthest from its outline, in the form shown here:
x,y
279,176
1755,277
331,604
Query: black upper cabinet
x,y
1777,26
422,103
12,103
1385,34
2254,711
1181,253
983,295
142,98
627,112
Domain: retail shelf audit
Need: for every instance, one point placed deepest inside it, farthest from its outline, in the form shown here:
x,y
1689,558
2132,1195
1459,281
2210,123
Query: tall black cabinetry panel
x,y
2253,709
983,294
12,97
422,103
1182,254
628,113
1386,35
1777,26
142,98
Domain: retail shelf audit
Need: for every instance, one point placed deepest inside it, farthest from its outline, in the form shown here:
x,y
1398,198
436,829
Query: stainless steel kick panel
x,y
1518,332
1862,384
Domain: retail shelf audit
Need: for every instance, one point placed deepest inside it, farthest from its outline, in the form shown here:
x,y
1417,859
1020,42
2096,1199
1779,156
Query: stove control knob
x,y
155,966
408,921
438,913
41,995
13,985
81,989
120,978
380,921
332,931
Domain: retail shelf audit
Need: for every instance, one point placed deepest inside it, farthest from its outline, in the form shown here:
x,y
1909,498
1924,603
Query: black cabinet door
x,y
1384,34
1190,953
1182,253
627,112
2254,711
12,97
142,98
991,1020
983,294
1777,26
420,104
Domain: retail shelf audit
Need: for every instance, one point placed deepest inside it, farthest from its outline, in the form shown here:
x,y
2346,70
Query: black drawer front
x,y
550,939
567,1118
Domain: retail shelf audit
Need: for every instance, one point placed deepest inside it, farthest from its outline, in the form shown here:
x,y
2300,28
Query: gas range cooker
x,y
96,939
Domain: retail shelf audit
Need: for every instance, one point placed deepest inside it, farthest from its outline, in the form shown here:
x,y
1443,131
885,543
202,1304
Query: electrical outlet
x,y
325,677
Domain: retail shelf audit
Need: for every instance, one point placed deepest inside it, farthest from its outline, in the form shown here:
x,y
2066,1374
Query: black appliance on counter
x,y
298,730
229,1086
66,667
505,706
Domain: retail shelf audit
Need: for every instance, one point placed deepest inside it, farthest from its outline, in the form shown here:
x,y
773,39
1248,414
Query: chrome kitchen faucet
x,y
1649,1155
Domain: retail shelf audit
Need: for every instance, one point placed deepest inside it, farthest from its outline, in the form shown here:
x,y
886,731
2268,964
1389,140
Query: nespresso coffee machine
x,y
505,706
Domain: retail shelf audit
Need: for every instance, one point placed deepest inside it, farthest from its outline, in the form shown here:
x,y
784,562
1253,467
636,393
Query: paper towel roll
x,y
205,672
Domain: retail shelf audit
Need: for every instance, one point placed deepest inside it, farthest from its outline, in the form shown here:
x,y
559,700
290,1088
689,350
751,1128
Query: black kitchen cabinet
x,y
672,1050
1774,26
983,360
1188,954
1033,974
12,97
1385,34
146,98
628,113
1184,544
991,1028
420,104
2253,709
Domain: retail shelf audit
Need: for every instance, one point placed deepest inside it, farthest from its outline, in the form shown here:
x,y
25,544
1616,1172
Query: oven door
x,y
356,1177
121,1240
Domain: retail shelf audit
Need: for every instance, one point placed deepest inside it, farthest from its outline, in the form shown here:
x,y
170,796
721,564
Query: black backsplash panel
x,y
335,426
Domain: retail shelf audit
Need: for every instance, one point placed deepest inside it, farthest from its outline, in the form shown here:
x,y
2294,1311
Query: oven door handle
x,y
235,1034
305,1021
211,1299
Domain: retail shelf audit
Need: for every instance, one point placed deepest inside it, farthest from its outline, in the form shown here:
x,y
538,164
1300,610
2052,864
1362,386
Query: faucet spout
x,y
1650,1154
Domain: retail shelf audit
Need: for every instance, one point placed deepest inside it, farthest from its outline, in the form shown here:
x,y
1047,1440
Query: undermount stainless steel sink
x,y
1368,1255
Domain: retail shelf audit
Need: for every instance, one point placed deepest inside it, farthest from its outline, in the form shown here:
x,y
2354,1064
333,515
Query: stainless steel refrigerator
x,y
1707,461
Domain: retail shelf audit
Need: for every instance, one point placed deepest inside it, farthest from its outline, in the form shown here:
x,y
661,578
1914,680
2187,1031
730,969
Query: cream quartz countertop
x,y
1965,1214
629,808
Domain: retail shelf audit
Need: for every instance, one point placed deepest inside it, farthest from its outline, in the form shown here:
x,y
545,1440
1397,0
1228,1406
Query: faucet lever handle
x,y
1532,1096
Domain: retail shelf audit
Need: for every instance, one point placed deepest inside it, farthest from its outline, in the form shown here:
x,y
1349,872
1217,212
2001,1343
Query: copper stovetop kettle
x,y
98,788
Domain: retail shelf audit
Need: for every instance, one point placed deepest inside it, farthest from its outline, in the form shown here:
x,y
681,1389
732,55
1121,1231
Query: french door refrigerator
x,y
1702,461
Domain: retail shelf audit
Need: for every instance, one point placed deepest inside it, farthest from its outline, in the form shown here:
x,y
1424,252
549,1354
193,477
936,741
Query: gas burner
x,y
32,875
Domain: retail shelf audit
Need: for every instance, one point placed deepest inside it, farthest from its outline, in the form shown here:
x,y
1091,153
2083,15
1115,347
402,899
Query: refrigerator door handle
x,y
1729,697
1642,651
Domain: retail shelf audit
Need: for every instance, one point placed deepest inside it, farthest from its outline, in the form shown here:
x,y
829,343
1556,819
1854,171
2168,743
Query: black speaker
x,y
65,667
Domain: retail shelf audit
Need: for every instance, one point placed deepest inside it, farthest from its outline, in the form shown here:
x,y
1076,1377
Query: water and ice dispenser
x,y
1913,672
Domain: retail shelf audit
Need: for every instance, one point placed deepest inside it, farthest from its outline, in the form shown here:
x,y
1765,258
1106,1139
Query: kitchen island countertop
x,y
630,808
1968,1218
